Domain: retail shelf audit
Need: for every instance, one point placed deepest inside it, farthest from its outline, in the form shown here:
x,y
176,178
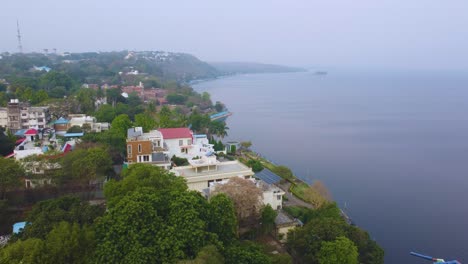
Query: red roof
x,y
31,131
171,133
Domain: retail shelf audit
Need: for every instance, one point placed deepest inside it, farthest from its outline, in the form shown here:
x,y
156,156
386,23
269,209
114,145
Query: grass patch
x,y
299,189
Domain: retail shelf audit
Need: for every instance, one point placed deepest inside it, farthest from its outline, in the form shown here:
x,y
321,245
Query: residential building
x,y
39,172
284,223
271,194
82,119
3,117
23,116
61,125
206,171
147,148
181,142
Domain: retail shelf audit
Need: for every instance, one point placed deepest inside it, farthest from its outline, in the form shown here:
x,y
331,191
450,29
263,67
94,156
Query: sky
x,y
406,34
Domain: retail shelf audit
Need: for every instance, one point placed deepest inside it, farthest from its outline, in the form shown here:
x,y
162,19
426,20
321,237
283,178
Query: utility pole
x,y
20,46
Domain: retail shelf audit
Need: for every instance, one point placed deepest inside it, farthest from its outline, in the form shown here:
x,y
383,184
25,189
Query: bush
x,y
255,165
179,161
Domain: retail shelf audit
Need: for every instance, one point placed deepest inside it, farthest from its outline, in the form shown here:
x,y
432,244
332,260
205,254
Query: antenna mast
x,y
20,46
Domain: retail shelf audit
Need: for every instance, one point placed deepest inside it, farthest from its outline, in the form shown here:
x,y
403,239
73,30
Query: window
x,y
278,197
129,150
139,148
159,143
181,142
189,142
146,158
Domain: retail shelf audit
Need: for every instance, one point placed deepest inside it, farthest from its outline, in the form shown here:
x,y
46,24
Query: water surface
x,y
392,145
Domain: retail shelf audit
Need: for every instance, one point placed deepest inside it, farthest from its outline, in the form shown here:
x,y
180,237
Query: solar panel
x,y
268,176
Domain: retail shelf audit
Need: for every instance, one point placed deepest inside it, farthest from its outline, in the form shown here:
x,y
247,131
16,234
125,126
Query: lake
x,y
393,146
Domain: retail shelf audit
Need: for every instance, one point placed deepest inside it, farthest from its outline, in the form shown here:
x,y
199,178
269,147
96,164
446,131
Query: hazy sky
x,y
361,33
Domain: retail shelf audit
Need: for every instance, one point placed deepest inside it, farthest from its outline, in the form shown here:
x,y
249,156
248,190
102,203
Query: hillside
x,y
251,67
109,66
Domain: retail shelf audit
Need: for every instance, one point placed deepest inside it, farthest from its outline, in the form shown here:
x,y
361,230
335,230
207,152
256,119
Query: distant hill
x,y
251,67
108,66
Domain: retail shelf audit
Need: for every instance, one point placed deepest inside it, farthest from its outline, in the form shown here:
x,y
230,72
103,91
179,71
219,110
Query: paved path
x,y
292,200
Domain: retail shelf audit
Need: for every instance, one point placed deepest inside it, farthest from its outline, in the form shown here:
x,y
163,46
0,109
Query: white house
x,y
271,194
206,171
181,142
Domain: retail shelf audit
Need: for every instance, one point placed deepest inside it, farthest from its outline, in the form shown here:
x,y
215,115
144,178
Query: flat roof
x,y
223,167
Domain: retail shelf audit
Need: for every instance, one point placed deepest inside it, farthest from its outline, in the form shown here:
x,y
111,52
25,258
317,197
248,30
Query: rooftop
x,y
172,133
222,167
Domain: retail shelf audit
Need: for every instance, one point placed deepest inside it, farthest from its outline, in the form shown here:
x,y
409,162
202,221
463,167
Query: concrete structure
x,y
90,121
22,116
284,223
205,172
3,117
61,125
146,148
181,142
37,171
272,194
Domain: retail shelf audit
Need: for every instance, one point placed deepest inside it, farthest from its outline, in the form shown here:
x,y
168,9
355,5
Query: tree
x,y
84,166
143,176
176,99
157,228
23,252
256,165
7,144
317,194
105,113
222,218
246,144
247,252
10,176
219,107
305,242
69,243
218,128
75,129
145,121
342,250
284,172
121,124
86,98
207,255
268,216
40,96
45,215
246,197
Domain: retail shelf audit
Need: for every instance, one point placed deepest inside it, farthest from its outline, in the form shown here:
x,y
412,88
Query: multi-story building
x,y
203,173
146,148
181,142
23,116
3,117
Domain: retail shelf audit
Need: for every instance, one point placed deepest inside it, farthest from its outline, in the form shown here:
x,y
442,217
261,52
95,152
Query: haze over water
x,y
392,145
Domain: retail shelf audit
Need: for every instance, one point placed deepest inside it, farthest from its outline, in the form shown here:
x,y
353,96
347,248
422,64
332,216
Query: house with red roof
x,y
31,134
179,142
183,143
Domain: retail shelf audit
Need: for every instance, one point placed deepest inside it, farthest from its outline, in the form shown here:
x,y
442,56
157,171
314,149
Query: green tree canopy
x,y
145,121
222,218
342,250
121,124
46,214
10,175
105,113
140,177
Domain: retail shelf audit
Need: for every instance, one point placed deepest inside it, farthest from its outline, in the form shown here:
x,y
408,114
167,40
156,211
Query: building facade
x,y
207,171
146,148
20,115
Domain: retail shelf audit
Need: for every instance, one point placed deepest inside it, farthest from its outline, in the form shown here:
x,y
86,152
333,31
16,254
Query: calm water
x,y
393,146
